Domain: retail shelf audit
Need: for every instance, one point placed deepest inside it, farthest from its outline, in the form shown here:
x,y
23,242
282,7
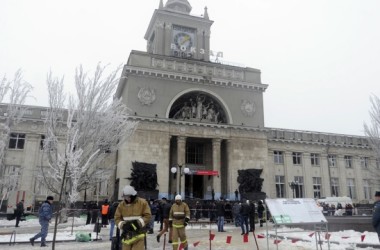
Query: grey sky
x,y
321,58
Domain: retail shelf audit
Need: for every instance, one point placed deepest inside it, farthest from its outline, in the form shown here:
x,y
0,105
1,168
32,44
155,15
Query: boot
x,y
31,241
158,238
150,231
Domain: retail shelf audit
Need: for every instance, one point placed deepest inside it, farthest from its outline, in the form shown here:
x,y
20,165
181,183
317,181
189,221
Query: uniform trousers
x,y
179,233
138,245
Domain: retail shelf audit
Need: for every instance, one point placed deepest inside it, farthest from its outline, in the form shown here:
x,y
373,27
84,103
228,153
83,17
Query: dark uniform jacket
x,y
376,217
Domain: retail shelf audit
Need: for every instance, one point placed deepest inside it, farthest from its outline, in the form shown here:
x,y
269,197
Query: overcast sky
x,y
320,58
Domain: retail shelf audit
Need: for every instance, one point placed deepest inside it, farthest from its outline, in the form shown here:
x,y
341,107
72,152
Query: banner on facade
x,y
206,172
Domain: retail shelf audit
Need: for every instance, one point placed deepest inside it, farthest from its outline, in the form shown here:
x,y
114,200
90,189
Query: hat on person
x,y
178,197
163,198
50,198
129,190
377,194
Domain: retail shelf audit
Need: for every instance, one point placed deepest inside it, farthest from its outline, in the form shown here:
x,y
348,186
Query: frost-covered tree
x,y
82,132
372,130
13,94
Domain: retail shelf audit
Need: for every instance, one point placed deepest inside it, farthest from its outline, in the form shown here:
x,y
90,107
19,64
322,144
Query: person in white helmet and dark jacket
x,y
179,217
131,217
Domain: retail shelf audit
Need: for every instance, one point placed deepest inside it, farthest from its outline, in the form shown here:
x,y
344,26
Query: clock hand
x,y
185,40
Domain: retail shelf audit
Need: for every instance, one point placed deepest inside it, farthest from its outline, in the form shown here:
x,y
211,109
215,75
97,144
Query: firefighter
x,y
179,217
131,217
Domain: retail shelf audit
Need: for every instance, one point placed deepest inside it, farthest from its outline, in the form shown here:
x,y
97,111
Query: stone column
x,y
289,177
30,163
307,176
181,160
358,177
326,175
342,175
232,184
216,184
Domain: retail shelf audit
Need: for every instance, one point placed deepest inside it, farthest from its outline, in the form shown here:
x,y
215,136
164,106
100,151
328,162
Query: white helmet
x,y
129,190
178,197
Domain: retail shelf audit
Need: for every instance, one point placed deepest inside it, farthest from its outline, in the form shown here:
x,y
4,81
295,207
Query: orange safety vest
x,y
105,209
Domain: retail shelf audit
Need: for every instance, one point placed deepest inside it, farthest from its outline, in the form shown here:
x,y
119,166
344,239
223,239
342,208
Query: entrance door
x,y
198,186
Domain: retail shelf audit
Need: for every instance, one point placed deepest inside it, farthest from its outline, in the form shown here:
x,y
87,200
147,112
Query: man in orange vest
x,y
104,211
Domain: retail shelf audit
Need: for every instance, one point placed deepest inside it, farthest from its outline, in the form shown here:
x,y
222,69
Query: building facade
x,y
206,117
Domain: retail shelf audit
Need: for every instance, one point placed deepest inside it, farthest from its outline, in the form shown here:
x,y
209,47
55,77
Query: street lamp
x,y
178,168
293,185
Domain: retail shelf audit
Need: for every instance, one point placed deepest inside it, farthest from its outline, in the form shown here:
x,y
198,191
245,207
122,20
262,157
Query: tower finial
x,y
205,15
161,6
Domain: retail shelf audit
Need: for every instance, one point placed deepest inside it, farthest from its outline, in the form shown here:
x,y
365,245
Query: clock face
x,y
183,38
183,41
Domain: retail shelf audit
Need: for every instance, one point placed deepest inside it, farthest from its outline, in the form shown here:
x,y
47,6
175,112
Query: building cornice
x,y
197,79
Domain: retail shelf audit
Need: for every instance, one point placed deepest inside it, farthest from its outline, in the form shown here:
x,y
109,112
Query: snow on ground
x,y
196,233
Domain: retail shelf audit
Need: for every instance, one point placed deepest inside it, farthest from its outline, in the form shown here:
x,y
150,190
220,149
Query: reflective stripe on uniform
x,y
131,218
134,239
178,226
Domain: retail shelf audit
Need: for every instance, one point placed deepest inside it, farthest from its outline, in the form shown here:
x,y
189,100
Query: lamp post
x,y
178,168
293,185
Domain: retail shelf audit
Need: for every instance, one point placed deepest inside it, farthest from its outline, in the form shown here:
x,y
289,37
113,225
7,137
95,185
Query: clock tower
x,y
174,32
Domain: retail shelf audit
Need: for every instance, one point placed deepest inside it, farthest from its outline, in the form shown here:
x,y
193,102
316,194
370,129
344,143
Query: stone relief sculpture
x,y
146,96
247,108
198,107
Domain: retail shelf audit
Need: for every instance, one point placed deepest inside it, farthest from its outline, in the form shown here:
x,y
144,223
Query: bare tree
x,y
81,135
372,131
13,94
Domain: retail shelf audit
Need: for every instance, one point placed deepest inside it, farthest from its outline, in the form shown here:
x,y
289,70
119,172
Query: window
x,y
280,186
367,189
101,177
194,153
348,161
351,188
11,178
335,187
317,187
299,190
332,160
278,157
297,158
16,141
364,162
314,159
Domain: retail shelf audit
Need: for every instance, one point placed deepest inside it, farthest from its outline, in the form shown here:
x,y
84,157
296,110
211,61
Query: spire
x,y
161,6
205,15
179,5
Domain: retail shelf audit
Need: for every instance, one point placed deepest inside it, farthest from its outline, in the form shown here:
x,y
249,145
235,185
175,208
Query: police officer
x,y
376,214
131,216
179,217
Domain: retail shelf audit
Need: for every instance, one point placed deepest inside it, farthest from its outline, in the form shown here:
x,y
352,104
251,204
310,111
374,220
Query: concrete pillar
x,y
232,174
307,176
342,175
216,184
181,161
326,175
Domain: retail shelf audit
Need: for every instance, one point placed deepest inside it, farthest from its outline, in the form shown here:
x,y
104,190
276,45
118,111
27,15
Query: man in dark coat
x,y
376,214
252,212
244,216
19,212
220,213
260,212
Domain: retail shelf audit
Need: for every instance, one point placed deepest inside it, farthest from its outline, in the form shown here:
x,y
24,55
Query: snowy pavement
x,y
198,237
